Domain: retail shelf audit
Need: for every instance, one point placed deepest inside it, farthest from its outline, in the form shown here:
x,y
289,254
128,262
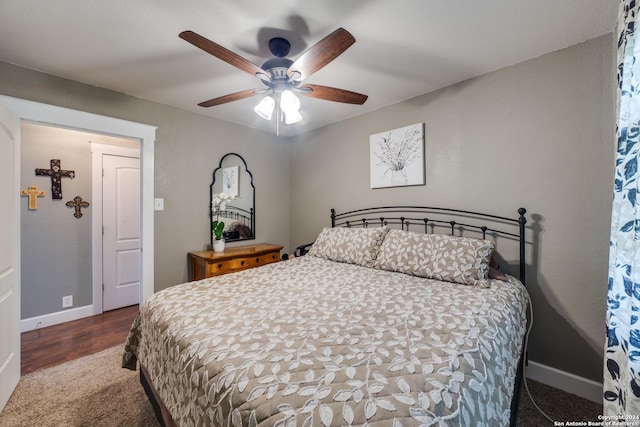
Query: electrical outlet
x,y
67,301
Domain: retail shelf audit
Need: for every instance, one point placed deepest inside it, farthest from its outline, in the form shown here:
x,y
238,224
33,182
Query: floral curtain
x,y
622,352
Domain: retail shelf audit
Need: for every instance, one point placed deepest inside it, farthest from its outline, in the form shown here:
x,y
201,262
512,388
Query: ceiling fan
x,y
281,76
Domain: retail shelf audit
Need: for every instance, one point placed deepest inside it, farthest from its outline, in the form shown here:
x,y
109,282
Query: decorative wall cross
x,y
56,174
78,204
33,193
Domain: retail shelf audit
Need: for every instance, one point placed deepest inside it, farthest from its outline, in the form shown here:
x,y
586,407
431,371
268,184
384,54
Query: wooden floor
x,y
57,344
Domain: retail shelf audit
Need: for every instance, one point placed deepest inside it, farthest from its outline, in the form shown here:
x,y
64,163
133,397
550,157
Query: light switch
x,y
159,204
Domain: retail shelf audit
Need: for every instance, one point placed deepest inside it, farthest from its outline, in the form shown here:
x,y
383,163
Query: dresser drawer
x,y
266,258
243,263
228,266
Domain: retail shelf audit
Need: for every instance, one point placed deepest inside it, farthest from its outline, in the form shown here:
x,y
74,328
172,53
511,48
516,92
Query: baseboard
x,y
55,318
565,381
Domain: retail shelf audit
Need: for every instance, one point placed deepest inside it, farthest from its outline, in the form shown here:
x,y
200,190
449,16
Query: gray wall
x,y
56,246
540,135
188,147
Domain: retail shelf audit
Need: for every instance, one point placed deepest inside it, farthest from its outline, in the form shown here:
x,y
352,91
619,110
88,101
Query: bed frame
x,y
246,218
419,219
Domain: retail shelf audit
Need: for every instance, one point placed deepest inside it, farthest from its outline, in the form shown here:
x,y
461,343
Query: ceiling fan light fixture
x,y
265,108
290,105
292,117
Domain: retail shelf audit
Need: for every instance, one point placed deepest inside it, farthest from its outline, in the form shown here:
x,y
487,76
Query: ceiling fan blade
x,y
333,94
231,97
221,53
320,54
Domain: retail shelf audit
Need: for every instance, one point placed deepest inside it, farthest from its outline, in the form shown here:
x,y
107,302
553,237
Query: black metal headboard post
x,y
522,221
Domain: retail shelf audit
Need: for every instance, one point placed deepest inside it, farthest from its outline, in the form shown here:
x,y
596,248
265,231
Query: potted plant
x,y
220,201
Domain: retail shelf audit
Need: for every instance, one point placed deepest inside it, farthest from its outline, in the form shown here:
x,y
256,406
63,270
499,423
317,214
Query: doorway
x,y
30,111
57,234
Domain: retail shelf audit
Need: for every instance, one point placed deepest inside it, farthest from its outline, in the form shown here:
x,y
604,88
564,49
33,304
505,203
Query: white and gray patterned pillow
x,y
352,245
453,259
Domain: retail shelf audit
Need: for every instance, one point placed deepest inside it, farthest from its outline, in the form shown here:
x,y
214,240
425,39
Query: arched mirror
x,y
232,177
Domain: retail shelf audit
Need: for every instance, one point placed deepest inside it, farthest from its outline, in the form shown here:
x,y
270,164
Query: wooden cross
x,y
78,204
56,174
33,193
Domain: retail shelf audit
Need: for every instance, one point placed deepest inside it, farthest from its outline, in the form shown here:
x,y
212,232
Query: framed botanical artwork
x,y
397,157
230,180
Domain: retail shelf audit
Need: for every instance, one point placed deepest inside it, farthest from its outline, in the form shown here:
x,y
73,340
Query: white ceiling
x,y
403,48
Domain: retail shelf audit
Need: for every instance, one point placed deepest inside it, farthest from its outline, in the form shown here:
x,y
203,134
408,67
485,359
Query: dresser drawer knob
x,y
242,262
219,265
257,259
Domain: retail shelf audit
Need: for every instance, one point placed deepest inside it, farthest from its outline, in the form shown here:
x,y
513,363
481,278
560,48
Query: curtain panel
x,y
622,349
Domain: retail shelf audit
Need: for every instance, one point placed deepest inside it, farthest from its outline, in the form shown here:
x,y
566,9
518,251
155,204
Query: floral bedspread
x,y
316,342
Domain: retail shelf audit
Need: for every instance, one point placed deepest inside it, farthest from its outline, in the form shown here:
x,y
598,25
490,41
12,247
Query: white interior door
x,y
121,235
9,254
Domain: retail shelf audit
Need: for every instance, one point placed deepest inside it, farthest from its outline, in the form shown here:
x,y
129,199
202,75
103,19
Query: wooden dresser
x,y
206,264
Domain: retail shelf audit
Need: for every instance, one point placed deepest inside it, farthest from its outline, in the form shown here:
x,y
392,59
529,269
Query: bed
x,y
238,223
379,323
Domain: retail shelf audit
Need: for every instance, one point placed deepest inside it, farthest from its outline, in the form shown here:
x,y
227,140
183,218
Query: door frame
x,y
98,149
53,115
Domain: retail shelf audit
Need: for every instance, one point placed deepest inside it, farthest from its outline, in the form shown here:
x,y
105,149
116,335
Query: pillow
x,y
230,224
436,256
352,245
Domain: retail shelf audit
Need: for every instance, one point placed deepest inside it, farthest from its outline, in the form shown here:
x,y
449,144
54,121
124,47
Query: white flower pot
x,y
399,177
218,245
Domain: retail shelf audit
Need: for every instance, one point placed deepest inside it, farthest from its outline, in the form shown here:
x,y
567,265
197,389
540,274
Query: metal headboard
x,y
427,219
246,217
234,212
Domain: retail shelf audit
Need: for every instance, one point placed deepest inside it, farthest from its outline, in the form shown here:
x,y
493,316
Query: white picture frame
x,y
397,157
230,180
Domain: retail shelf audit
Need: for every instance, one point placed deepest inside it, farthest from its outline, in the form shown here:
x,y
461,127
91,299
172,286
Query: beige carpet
x,y
91,391
95,391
